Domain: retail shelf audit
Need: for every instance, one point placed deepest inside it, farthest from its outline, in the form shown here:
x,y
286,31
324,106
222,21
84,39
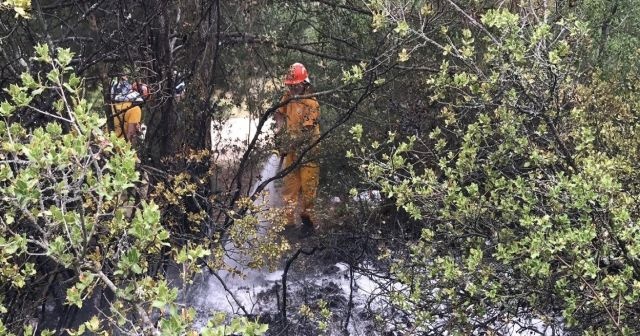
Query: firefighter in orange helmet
x,y
297,128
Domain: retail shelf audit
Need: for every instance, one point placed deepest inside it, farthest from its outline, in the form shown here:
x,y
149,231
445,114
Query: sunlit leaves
x,y
355,74
403,56
540,33
42,53
21,7
19,95
467,50
132,262
192,254
240,325
500,18
426,9
64,56
93,325
513,188
147,229
6,109
402,28
164,295
191,258
356,132
77,293
63,185
28,81
379,21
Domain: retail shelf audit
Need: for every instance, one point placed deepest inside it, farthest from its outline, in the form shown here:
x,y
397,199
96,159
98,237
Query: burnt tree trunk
x,y
166,134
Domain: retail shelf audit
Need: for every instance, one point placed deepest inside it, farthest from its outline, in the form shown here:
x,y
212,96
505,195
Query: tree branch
x,y
238,37
347,7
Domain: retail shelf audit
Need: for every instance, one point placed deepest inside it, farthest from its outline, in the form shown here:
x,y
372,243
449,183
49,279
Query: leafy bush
x,y
524,189
69,218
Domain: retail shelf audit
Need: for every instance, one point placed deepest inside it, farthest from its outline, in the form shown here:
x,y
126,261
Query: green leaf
x,y
6,109
403,56
74,81
93,324
402,29
28,330
28,81
21,7
54,75
42,52
356,131
79,332
164,296
427,9
379,20
74,297
64,56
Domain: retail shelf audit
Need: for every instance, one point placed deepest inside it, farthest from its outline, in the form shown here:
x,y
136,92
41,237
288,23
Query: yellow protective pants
x,y
299,188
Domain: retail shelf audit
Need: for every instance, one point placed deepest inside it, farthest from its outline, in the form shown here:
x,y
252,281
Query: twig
x,y
474,22
284,280
143,314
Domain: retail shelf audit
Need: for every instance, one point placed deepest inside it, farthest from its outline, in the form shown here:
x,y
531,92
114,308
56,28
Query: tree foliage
x,y
501,135
69,213
524,189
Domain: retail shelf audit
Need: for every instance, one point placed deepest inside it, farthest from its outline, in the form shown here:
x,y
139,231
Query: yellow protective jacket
x,y
301,119
123,115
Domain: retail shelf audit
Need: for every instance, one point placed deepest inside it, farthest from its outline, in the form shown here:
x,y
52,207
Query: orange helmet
x,y
142,89
297,74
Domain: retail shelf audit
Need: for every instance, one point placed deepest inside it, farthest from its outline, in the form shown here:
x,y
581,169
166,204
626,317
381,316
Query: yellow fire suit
x,y
301,128
123,115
